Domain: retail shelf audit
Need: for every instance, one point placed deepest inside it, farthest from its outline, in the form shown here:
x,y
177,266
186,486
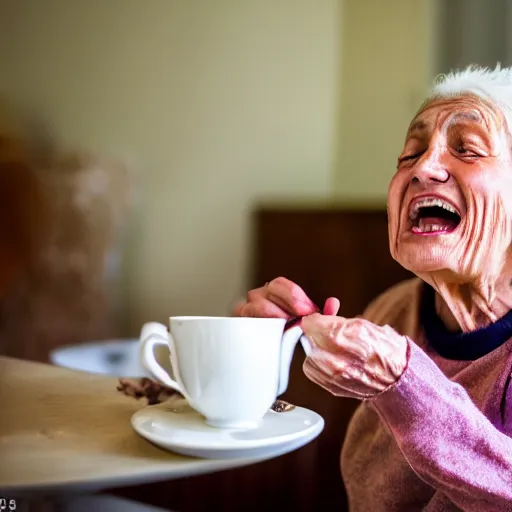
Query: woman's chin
x,y
421,262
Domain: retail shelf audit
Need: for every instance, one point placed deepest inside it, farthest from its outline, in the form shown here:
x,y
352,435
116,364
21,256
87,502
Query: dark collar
x,y
461,346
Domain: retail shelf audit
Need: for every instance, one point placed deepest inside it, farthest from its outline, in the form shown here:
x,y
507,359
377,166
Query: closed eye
x,y
409,157
461,150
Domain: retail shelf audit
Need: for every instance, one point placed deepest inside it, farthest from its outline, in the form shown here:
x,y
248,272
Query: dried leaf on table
x,y
156,393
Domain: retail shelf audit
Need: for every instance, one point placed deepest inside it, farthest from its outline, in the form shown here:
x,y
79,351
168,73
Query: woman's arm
x,y
444,437
447,441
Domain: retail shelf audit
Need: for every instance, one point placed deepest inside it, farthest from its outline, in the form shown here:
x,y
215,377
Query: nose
x,y
430,169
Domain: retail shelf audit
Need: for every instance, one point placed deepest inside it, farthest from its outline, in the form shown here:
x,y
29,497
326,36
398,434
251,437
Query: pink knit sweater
x,y
438,440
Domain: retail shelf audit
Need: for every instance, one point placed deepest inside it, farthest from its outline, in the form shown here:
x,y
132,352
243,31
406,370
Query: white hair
x,y
494,85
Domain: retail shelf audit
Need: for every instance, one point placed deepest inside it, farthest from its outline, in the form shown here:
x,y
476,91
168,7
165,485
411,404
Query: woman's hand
x,y
353,357
281,298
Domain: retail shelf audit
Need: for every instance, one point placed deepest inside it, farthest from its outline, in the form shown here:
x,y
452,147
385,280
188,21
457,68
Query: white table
x,y
66,433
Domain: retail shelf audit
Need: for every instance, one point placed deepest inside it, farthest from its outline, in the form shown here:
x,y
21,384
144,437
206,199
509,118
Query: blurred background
x,y
217,106
161,158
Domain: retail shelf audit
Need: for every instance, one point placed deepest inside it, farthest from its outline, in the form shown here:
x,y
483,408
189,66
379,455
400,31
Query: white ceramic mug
x,y
230,369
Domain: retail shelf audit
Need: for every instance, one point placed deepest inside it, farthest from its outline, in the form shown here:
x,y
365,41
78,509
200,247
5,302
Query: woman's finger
x,y
323,331
279,298
262,308
337,377
313,372
290,297
331,306
317,375
239,306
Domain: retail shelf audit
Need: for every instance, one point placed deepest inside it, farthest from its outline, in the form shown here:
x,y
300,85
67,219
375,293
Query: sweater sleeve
x,y
446,439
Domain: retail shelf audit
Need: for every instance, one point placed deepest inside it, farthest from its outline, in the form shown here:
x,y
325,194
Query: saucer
x,y
180,429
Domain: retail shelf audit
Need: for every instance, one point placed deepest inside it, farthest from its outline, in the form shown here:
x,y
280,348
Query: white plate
x,y
178,428
120,358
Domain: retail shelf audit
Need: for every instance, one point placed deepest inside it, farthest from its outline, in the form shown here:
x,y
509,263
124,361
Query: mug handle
x,y
306,345
153,334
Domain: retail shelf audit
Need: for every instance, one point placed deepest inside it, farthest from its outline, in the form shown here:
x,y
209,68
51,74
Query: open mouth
x,y
433,216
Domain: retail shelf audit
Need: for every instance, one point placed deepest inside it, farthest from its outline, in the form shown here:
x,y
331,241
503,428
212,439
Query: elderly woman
x,y
431,358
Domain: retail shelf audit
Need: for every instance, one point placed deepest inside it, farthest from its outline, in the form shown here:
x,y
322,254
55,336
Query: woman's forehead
x,y
465,109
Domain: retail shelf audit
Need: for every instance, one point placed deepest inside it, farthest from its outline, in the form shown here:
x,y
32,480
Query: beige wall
x,y
219,102
388,61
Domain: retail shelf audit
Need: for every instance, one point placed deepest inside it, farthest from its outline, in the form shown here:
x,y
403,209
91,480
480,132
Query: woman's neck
x,y
459,308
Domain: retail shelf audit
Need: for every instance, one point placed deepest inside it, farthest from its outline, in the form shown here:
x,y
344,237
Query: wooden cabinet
x,y
331,251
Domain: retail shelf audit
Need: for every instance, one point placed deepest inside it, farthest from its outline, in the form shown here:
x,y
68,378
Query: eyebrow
x,y
419,125
467,116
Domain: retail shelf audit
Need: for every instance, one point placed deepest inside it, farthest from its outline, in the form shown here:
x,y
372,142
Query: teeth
x,y
430,201
429,228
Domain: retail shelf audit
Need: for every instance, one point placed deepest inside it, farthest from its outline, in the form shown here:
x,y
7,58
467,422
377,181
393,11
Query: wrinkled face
x,y
450,201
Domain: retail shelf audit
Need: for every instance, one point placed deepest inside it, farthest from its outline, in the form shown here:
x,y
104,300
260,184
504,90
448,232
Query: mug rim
x,y
223,318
